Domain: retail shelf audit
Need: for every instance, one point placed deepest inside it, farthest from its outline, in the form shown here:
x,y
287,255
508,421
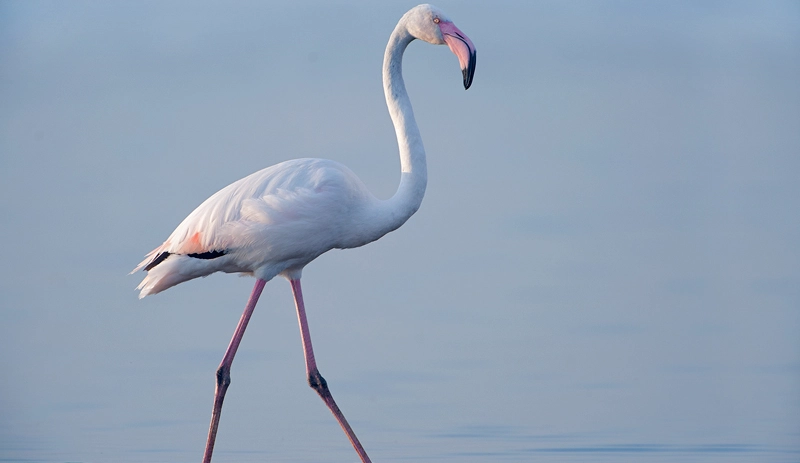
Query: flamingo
x,y
275,221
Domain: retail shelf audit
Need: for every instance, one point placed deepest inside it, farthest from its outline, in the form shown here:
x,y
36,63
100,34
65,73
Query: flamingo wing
x,y
273,220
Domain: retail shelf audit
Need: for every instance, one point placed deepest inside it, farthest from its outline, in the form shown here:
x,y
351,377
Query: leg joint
x,y
223,376
318,383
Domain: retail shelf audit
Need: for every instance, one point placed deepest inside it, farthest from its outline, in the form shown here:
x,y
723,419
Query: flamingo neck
x,y
414,171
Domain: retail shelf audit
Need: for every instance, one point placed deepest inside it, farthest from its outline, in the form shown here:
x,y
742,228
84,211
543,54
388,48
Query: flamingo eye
x,y
436,20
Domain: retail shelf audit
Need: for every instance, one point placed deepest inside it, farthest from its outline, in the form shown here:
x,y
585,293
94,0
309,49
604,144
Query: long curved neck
x,y
414,171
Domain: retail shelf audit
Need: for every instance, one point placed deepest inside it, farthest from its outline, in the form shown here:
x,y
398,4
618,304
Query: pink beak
x,y
462,47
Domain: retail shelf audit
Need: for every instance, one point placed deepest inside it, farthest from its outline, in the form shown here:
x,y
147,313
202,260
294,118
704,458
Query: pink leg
x,y
315,380
224,370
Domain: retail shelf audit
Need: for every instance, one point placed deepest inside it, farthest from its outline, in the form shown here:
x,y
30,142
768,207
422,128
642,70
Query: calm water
x,y
605,266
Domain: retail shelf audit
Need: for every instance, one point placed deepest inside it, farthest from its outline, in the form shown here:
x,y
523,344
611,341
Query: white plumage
x,y
275,220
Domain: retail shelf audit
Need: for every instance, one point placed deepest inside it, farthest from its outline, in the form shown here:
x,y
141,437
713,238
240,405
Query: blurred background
x,y
605,268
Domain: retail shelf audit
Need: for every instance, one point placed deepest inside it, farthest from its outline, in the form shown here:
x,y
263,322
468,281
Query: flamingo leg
x,y
224,370
315,380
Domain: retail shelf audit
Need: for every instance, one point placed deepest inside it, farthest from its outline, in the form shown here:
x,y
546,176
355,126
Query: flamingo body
x,y
271,222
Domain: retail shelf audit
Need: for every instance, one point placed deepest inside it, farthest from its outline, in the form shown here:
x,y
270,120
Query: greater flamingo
x,y
279,219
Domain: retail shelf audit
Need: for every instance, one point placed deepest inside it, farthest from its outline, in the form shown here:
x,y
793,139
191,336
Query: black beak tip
x,y
469,71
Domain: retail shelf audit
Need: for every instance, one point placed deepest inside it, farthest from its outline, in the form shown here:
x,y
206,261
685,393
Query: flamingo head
x,y
429,23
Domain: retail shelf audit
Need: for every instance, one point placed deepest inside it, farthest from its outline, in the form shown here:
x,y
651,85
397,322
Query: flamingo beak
x,y
462,47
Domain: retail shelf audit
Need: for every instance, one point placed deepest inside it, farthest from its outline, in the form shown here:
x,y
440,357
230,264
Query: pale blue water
x,y
605,266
